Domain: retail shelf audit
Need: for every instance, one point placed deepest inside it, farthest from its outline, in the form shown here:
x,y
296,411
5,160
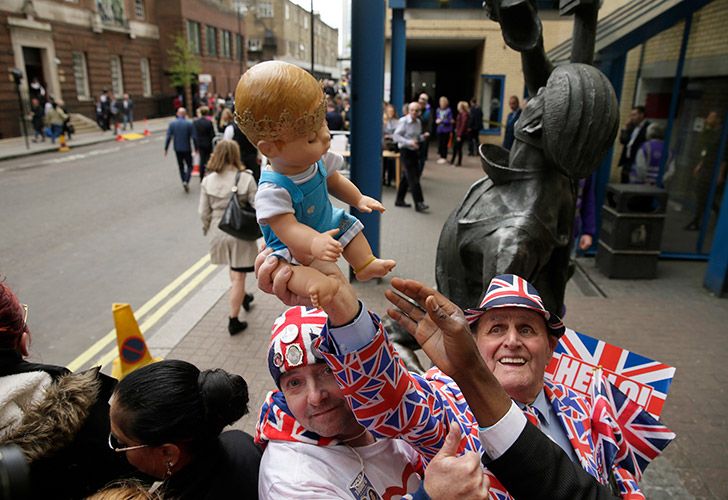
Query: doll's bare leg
x,y
366,266
307,281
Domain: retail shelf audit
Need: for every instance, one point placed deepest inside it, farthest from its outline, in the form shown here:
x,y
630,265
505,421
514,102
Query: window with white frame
x,y
80,74
193,36
117,77
265,9
226,45
211,40
255,44
288,11
139,10
146,77
305,21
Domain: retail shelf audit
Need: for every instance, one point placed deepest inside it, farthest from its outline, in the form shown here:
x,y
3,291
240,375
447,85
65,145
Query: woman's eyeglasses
x,y
115,445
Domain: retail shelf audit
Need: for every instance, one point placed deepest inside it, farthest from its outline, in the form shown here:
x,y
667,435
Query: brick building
x,y
77,48
280,29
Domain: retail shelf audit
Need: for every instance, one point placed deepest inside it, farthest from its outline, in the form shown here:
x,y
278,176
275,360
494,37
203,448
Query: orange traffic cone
x,y
62,146
195,164
146,130
119,137
133,352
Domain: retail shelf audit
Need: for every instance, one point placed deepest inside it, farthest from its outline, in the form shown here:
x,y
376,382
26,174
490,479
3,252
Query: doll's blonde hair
x,y
278,101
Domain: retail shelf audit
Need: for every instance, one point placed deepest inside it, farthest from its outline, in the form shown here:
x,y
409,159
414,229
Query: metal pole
x,y
675,96
716,276
367,93
312,49
398,55
705,220
22,115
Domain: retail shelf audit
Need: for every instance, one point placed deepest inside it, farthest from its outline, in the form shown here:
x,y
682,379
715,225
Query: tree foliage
x,y
184,66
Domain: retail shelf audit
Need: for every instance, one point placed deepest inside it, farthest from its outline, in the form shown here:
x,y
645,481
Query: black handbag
x,y
239,220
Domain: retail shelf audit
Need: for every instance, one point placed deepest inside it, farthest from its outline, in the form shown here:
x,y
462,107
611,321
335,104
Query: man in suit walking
x,y
631,137
205,132
127,111
185,142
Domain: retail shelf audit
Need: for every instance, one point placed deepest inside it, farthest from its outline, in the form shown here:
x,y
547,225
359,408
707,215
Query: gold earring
x,y
169,469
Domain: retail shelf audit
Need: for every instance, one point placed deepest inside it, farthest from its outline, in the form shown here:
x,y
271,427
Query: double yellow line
x,y
198,271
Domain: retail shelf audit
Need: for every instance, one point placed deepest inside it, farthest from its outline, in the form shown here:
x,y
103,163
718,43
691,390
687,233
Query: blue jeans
x,y
128,118
55,132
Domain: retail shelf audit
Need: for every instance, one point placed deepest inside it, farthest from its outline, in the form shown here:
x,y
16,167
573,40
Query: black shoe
x,y
402,204
247,300
186,187
421,207
236,326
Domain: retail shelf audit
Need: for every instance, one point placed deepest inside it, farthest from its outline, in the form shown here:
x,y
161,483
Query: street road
x,y
84,229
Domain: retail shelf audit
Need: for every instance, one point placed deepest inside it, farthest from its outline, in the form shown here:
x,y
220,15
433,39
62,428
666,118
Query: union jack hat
x,y
509,290
291,341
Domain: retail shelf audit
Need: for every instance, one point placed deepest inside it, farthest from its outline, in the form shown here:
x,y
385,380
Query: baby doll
x,y
281,109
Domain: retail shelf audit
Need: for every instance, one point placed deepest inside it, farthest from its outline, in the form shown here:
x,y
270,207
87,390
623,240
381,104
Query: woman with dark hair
x,y
168,417
59,419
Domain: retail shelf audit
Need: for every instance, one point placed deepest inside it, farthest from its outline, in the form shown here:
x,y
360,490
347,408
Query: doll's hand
x,y
367,204
325,247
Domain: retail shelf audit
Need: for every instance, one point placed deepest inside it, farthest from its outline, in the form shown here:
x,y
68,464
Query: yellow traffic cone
x,y
62,146
133,352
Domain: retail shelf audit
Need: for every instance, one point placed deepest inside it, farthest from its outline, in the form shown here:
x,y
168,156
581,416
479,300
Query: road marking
x,y
159,313
100,344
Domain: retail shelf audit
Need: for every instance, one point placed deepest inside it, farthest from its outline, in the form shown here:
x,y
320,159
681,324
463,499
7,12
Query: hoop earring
x,y
169,470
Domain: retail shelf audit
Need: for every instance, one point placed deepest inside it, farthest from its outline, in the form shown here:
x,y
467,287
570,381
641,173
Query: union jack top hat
x,y
509,290
292,338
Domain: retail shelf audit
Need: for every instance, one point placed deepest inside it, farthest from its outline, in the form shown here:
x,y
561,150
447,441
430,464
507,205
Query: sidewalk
x,y
671,319
14,147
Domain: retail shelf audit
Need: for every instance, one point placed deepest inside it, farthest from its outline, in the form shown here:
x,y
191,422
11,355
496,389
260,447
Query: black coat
x,y
65,435
629,153
205,133
534,467
229,469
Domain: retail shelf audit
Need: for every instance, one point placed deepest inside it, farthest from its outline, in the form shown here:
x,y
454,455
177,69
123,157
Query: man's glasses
x,y
115,445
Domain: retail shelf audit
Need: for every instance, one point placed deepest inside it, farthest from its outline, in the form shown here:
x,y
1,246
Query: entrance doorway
x,y
33,59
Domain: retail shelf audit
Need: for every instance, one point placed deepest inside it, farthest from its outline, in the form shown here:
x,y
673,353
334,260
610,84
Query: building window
x,y
211,41
291,48
492,103
255,44
265,9
117,77
288,11
193,36
226,45
239,47
139,9
80,74
305,21
146,77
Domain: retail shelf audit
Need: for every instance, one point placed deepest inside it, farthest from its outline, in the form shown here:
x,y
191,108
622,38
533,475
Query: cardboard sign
x,y
642,379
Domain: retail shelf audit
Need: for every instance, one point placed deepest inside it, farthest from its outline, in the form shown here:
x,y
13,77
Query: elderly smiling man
x,y
515,337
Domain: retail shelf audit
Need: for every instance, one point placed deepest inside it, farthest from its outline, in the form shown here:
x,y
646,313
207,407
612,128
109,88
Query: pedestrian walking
x,y
103,110
68,128
248,152
205,131
54,119
444,122
225,249
426,121
185,141
37,113
475,123
409,136
511,120
127,111
461,133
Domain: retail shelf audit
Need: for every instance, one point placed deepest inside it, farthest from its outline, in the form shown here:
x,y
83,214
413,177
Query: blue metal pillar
x,y
705,218
398,56
614,70
675,94
367,94
716,276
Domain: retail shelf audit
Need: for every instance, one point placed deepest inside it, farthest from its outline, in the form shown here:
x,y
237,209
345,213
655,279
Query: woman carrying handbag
x,y
239,254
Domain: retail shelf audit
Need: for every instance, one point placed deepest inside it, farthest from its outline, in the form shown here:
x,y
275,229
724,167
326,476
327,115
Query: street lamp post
x,y
312,49
17,78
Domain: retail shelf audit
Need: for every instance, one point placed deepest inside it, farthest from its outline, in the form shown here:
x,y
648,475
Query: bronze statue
x,y
518,219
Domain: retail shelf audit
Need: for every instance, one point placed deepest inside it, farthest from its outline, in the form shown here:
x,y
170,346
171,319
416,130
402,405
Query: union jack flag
x,y
623,431
642,379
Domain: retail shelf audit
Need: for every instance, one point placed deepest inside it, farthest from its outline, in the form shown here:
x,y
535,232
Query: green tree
x,y
184,66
